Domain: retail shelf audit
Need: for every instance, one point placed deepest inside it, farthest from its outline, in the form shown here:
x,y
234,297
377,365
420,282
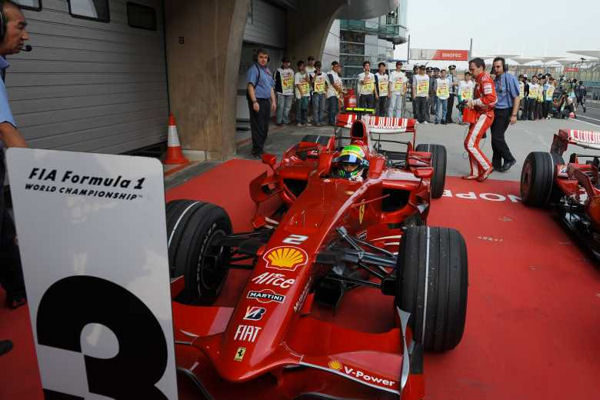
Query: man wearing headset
x,y
505,113
12,39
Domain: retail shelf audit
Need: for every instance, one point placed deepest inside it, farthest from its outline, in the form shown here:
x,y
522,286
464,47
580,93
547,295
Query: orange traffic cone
x,y
174,153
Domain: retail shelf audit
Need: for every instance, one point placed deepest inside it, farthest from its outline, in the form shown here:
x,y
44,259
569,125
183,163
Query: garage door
x,y
96,78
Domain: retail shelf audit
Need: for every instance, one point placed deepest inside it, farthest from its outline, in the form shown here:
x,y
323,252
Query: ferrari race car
x,y
318,235
572,188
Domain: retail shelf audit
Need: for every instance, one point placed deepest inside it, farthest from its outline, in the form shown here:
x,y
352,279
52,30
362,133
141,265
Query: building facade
x,y
352,41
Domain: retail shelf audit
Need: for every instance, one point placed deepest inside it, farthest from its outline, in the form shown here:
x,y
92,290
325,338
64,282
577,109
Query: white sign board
x,y
92,236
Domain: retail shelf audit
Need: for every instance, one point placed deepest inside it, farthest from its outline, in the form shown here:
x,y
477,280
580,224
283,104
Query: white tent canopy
x,y
523,60
547,60
587,53
565,61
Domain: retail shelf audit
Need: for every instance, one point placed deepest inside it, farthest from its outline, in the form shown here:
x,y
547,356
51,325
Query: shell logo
x,y
335,364
286,257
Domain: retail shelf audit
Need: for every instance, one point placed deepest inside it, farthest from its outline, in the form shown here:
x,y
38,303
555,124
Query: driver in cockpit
x,y
351,163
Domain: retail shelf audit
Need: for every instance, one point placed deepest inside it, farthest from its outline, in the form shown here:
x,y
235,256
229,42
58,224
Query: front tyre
x,y
432,280
438,162
537,178
194,229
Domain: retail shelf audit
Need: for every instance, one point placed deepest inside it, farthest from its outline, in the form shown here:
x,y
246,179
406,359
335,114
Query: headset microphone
x,y
27,48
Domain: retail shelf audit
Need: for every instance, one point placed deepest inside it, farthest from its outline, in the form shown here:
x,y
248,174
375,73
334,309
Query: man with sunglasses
x,y
505,113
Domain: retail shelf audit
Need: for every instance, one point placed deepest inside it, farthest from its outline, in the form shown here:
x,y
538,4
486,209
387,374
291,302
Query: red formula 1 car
x,y
317,236
572,188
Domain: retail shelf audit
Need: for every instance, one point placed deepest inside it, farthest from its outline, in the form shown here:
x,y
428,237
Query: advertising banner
x,y
92,236
436,54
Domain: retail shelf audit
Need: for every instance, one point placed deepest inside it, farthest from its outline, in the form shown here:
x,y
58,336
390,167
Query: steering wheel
x,y
303,153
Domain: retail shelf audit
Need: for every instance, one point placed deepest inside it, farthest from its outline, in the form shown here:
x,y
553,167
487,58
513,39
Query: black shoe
x,y
444,122
5,346
507,165
484,135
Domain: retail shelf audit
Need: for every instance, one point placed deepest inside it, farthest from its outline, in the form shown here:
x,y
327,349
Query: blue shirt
x,y
507,88
5,113
261,79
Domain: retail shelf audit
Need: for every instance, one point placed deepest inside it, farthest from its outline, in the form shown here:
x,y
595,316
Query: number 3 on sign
x,y
295,239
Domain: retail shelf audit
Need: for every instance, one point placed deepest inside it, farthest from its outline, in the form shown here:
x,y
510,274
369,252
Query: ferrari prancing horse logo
x,y
361,213
239,354
286,258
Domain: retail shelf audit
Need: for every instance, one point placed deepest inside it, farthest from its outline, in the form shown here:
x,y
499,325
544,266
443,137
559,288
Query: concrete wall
x,y
308,26
331,52
204,41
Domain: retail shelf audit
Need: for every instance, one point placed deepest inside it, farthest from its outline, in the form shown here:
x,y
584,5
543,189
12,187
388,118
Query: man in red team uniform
x,y
483,103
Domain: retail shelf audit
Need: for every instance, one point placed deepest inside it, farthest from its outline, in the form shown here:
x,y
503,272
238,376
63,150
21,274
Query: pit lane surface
x,y
533,317
592,114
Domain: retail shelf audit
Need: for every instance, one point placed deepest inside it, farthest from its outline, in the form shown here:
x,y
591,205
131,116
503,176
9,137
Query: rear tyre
x,y
432,285
537,178
193,231
438,162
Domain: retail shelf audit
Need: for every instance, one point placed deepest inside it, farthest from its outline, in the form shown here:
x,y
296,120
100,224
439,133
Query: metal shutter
x,y
89,85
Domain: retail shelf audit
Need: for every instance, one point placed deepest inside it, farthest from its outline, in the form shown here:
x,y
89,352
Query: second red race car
x,y
572,188
336,213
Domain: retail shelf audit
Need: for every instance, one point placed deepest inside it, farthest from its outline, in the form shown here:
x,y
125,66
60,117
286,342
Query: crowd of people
x,y
544,97
496,99
315,96
434,92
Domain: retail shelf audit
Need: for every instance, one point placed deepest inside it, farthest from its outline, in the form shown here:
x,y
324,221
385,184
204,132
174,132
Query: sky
x,y
523,27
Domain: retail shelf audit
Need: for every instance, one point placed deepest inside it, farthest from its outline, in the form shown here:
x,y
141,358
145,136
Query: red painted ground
x,y
533,320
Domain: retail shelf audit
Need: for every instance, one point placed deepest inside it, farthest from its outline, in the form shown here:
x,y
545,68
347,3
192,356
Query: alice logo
x,y
70,177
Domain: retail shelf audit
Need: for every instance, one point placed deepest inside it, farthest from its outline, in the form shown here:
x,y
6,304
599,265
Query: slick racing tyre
x,y
438,162
432,285
193,230
537,178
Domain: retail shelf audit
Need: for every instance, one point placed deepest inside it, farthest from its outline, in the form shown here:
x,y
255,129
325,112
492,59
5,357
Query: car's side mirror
x,y
423,173
269,159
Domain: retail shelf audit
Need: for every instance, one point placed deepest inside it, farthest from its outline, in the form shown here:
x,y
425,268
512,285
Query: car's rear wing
x,y
581,138
383,125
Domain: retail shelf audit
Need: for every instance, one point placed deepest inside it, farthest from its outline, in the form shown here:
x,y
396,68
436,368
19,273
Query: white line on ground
x,y
587,122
